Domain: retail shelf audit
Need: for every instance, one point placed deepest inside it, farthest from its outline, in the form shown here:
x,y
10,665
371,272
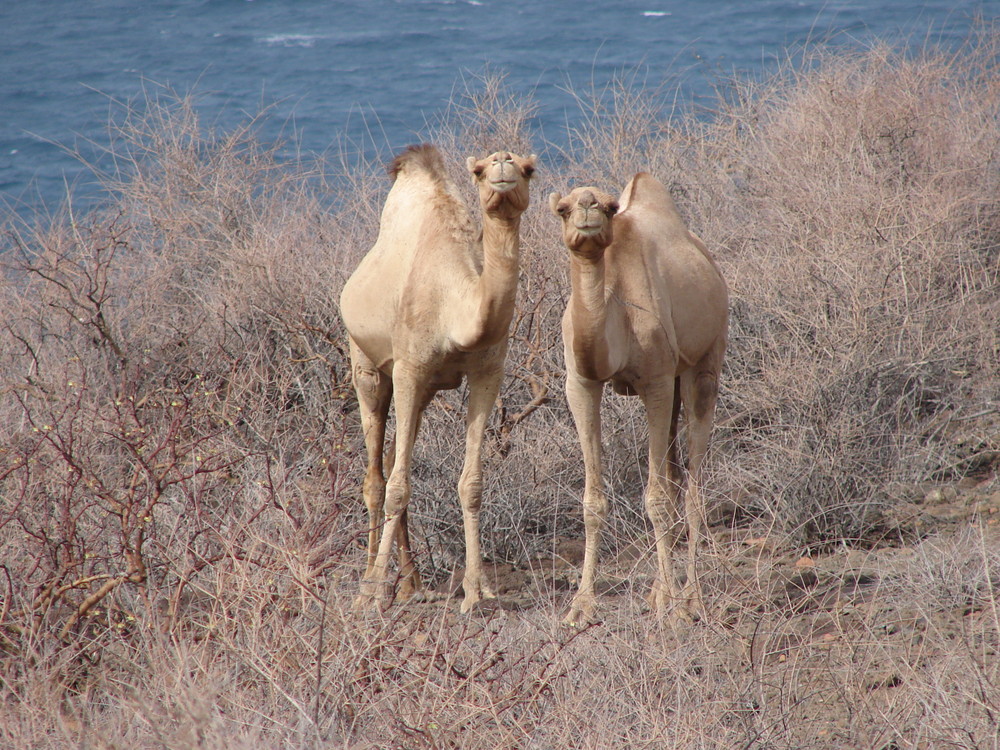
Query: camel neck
x,y
487,312
588,311
587,283
501,240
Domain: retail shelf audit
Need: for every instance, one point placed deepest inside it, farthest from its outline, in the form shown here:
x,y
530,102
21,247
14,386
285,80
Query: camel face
x,y
586,215
502,179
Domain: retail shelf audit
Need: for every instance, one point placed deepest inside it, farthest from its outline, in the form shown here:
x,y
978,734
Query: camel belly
x,y
456,366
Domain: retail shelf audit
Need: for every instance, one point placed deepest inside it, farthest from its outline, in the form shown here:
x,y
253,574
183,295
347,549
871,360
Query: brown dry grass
x,y
179,483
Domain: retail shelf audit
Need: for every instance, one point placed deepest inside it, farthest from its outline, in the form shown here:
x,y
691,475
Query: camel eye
x,y
529,170
611,209
562,209
478,171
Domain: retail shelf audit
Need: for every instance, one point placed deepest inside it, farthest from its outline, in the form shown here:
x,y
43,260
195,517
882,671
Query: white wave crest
x,y
288,40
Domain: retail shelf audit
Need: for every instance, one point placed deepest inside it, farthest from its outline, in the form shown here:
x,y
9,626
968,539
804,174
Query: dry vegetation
x,y
180,461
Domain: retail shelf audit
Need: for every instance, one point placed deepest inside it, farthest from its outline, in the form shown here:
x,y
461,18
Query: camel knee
x,y
470,491
595,509
397,497
662,511
368,383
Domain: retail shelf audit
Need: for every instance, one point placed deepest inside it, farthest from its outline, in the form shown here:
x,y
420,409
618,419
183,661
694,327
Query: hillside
x,y
180,454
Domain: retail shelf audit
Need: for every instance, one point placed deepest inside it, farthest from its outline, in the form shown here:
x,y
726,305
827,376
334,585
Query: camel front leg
x,y
584,398
483,390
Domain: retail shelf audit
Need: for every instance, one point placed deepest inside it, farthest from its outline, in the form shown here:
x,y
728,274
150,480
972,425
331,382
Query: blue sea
x,y
369,75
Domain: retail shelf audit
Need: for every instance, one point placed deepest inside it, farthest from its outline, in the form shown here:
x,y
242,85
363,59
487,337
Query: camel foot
x,y
372,596
472,599
683,614
685,608
408,592
362,604
582,612
410,585
475,591
690,607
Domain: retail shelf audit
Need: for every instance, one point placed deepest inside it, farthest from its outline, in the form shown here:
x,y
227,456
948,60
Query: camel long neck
x,y
496,289
589,317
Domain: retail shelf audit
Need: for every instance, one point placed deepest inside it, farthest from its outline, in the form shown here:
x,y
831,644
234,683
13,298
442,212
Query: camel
x,y
429,304
648,311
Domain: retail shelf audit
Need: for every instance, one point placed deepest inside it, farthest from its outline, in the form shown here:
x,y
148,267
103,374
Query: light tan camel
x,y
648,310
430,303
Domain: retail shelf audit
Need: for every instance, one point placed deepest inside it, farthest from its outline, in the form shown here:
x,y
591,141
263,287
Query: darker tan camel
x,y
648,311
429,304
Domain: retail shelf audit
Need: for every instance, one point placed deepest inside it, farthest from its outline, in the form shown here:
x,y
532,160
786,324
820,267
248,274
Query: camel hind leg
x,y
699,392
374,392
662,402
387,516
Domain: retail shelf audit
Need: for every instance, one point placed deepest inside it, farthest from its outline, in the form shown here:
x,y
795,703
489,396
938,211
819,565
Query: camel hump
x,y
647,191
423,156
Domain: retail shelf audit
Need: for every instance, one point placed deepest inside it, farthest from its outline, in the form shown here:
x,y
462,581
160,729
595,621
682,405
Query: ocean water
x,y
369,75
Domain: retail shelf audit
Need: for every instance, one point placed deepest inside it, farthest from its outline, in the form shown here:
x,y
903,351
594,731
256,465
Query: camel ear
x,y
470,164
530,165
554,199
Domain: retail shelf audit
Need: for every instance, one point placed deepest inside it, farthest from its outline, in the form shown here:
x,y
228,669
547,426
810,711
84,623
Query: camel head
x,y
586,215
502,179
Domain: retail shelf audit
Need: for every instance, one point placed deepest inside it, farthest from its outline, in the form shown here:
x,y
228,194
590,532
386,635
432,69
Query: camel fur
x,y
648,311
430,304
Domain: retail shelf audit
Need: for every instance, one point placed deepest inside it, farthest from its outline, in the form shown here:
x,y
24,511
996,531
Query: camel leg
x,y
410,584
584,398
662,494
374,391
699,391
411,398
483,390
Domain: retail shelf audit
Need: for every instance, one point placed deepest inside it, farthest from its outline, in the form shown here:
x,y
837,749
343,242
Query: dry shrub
x,y
860,281
169,364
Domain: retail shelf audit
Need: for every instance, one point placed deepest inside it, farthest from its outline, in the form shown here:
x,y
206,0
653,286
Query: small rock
x,y
570,550
886,679
948,513
935,497
771,544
